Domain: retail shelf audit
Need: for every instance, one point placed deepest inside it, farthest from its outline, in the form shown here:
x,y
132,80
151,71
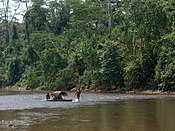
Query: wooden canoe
x,y
64,100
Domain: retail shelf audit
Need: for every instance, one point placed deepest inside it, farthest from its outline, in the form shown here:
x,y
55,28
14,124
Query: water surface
x,y
28,111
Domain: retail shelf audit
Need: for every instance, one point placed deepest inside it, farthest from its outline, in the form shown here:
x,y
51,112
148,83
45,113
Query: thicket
x,y
92,44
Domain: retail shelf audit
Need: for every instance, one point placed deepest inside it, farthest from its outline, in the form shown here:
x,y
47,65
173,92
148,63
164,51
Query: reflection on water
x,y
95,112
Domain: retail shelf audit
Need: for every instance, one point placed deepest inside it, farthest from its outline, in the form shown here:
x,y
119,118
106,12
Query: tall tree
x,y
59,15
6,19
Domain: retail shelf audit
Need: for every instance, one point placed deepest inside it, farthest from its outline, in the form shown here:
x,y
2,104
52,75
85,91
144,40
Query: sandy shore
x,y
145,92
152,92
13,88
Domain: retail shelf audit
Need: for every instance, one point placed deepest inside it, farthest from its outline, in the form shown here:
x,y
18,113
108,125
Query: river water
x,y
28,111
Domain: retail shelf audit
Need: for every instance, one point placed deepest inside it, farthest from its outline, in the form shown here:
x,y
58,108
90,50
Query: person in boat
x,y
78,92
47,96
57,95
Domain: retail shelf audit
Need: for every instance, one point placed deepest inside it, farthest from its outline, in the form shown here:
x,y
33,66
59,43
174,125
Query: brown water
x,y
95,112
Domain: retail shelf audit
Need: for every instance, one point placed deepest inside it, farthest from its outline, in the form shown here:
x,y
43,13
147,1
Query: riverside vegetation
x,y
91,44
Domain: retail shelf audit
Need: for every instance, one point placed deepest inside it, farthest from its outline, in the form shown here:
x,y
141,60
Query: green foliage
x,y
36,18
14,71
99,45
30,78
139,71
165,68
15,33
111,67
59,16
3,77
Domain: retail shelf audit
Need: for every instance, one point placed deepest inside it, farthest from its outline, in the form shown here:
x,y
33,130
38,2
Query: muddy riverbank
x,y
143,92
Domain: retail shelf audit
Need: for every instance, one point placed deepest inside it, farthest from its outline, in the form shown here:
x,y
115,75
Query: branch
x,y
52,42
15,12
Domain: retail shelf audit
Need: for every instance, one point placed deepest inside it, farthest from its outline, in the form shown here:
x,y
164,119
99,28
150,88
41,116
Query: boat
x,y
64,100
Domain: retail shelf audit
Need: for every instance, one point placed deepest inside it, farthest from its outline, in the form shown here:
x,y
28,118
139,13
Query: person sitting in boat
x,y
58,95
47,96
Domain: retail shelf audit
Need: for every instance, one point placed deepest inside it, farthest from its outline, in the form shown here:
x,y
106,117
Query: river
x,y
28,111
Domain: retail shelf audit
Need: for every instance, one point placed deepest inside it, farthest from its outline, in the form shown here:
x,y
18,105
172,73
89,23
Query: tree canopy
x,y
91,44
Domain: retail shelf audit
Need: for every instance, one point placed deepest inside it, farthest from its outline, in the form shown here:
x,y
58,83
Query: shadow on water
x,y
95,112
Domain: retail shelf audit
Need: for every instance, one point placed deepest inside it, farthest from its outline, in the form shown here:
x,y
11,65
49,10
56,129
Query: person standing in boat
x,y
47,96
78,92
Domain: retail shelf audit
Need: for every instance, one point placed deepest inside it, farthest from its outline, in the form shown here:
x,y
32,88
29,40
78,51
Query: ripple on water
x,y
36,100
36,111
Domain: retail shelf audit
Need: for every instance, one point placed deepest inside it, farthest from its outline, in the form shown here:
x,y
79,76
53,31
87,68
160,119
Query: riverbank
x,y
13,88
144,92
137,92
152,92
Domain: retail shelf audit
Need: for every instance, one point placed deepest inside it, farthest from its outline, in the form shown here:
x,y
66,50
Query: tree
x,y
59,15
15,71
111,67
36,17
165,67
6,20
140,41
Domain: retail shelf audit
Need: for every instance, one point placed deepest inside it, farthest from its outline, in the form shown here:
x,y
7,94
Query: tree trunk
x,y
6,7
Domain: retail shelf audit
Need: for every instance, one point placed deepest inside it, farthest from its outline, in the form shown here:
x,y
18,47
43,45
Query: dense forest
x,y
91,44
